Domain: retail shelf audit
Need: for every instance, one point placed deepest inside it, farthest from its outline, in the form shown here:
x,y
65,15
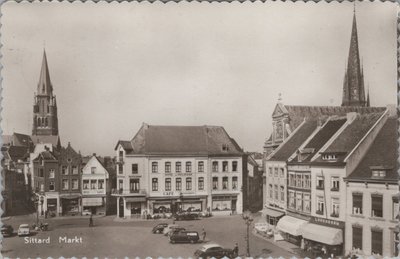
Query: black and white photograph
x,y
199,129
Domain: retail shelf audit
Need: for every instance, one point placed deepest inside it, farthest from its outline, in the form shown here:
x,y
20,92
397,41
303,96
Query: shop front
x,y
70,205
51,207
96,205
323,240
291,229
224,204
272,216
166,206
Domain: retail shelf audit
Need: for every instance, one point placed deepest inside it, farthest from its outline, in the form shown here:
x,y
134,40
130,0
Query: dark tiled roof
x,y
294,141
298,113
353,133
22,139
17,152
127,145
383,152
46,155
69,153
196,140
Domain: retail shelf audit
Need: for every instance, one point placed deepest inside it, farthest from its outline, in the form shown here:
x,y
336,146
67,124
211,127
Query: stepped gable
x,y
383,153
294,141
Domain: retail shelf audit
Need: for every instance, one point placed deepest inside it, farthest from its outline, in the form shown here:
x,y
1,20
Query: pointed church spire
x,y
44,85
353,86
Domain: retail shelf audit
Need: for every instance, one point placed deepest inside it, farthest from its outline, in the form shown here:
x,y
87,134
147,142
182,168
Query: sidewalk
x,y
71,217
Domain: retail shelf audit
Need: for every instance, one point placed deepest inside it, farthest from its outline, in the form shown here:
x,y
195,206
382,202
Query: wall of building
x,y
279,179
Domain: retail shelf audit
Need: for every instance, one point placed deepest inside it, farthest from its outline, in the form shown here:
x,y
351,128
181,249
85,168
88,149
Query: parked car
x,y
169,228
213,250
158,229
186,216
23,230
7,230
176,230
86,213
184,237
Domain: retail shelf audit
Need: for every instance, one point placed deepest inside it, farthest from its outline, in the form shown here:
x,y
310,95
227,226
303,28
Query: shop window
x,y
225,166
154,167
376,206
215,183
299,201
93,184
93,170
85,184
167,167
135,169
167,184
357,203
292,201
234,166
162,208
282,188
51,186
221,205
201,183
215,166
376,242
178,167
101,184
64,170
335,184
320,183
75,185
234,183
200,167
395,207
188,183
396,240
306,202
357,237
51,173
134,185
178,184
276,192
335,208
65,184
74,169
224,183
271,191
154,184
188,167
320,205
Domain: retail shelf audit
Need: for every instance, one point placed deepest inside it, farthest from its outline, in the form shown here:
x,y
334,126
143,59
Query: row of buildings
x,y
330,173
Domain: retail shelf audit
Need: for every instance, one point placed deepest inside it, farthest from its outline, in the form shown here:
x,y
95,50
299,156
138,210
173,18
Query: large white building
x,y
166,169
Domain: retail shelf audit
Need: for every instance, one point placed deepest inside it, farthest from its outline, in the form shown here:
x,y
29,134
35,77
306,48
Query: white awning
x,y
98,201
291,225
322,234
272,213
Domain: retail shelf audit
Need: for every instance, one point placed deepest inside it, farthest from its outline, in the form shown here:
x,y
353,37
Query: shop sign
x,y
327,222
168,193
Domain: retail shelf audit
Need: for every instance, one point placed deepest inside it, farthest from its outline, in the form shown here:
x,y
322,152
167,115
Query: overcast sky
x,y
114,66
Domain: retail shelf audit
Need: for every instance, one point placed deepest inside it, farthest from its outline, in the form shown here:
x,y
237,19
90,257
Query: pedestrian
x,y
204,234
91,221
236,250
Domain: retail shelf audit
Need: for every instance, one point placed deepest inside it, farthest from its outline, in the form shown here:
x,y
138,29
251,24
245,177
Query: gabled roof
x,y
69,153
45,155
182,140
294,141
382,153
298,113
126,145
17,152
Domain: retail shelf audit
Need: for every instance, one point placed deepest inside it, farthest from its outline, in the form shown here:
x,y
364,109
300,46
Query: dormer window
x,y
329,157
378,172
225,147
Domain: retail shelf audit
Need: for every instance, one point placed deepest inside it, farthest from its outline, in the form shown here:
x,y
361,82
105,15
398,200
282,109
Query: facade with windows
x,y
95,187
169,169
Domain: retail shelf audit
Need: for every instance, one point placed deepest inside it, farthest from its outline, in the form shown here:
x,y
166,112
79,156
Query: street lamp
x,y
248,219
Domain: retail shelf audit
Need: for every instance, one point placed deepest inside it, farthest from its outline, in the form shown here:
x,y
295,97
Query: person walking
x,y
236,250
204,234
91,221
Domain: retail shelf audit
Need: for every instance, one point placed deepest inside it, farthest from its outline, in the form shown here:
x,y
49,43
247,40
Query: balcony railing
x,y
129,191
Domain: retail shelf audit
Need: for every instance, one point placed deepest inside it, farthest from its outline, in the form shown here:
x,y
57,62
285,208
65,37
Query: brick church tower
x,y
353,85
45,121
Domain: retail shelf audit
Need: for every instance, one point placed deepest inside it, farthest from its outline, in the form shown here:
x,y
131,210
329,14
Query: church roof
x,y
294,141
183,140
382,153
44,86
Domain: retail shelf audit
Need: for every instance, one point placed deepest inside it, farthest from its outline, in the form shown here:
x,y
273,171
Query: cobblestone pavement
x,y
109,238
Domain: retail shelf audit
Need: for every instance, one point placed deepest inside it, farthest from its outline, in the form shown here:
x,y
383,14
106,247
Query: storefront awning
x,y
135,199
70,196
92,201
322,234
291,225
272,213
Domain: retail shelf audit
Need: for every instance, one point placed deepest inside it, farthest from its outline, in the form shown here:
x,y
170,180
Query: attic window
x,y
378,173
225,147
329,157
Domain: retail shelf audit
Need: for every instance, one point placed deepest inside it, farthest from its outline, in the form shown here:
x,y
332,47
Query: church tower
x,y
353,85
45,121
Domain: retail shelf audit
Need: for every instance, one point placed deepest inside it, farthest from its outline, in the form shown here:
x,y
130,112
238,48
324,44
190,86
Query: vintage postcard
x,y
199,129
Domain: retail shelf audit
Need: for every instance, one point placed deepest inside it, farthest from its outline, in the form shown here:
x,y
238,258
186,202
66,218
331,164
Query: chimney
x,y
351,116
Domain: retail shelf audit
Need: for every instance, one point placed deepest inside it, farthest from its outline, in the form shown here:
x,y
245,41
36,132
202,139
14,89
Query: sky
x,y
114,66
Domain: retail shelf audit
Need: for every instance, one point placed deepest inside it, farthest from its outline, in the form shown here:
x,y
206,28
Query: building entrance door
x,y
121,207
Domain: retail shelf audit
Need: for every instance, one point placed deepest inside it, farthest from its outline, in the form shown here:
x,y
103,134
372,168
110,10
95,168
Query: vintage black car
x,y
7,230
158,229
186,216
213,250
184,237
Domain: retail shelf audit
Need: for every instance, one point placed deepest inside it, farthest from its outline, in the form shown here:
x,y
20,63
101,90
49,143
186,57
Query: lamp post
x,y
248,220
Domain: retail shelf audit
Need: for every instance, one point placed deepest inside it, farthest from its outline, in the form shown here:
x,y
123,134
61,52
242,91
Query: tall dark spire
x,y
353,85
44,85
